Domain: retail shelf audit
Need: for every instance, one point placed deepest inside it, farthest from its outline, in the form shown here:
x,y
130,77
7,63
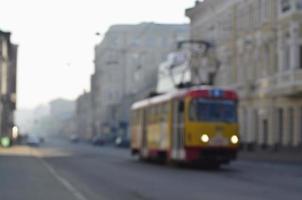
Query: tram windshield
x,y
213,110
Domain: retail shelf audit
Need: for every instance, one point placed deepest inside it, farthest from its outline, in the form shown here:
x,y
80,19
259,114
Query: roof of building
x,y
203,6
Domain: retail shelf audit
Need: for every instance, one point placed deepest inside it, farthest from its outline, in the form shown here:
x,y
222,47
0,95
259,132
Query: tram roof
x,y
174,94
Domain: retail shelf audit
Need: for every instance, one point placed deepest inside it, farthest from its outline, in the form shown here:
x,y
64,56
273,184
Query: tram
x,y
196,125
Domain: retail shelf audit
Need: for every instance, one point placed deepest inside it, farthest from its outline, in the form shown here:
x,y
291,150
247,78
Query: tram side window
x,y
160,113
163,112
154,114
138,117
133,118
157,114
150,114
181,106
166,112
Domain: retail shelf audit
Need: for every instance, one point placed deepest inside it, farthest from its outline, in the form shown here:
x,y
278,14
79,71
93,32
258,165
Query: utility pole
x,y
199,49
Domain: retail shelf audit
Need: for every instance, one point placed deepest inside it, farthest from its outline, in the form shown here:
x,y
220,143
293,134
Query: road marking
x,y
64,182
77,194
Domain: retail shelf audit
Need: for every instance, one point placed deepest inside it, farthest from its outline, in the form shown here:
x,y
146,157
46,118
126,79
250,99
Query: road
x,y
61,171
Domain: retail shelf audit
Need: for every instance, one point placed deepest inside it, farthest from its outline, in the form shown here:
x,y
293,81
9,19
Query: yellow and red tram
x,y
189,125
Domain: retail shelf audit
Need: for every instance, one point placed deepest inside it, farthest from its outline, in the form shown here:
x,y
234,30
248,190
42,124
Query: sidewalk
x,y
15,151
284,156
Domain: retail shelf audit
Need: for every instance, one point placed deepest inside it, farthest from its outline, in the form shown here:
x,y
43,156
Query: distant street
x,y
62,171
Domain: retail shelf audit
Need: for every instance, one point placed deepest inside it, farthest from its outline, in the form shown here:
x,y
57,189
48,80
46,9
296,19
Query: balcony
x,y
287,83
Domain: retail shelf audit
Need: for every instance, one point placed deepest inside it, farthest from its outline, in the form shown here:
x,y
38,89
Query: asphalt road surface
x,y
58,170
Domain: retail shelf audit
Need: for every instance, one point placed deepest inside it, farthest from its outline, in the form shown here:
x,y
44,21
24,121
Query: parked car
x,y
33,140
122,142
42,139
74,138
97,140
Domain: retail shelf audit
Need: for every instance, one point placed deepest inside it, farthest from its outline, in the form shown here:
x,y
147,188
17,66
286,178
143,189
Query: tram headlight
x,y
234,139
204,138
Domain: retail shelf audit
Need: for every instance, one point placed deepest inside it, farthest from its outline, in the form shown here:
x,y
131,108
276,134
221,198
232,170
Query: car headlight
x,y
234,139
205,138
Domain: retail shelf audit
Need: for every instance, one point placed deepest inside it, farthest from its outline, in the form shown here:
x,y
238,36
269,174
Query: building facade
x,y
8,80
126,63
257,50
62,118
84,116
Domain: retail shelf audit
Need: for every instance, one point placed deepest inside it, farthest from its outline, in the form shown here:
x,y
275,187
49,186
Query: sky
x,y
56,39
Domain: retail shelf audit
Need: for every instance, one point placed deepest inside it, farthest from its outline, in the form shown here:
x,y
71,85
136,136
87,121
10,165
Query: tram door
x,y
144,149
178,129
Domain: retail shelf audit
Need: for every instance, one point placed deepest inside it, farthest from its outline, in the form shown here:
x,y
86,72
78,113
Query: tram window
x,y
149,114
165,108
192,111
161,113
203,110
181,106
155,114
139,117
134,118
165,112
152,114
158,113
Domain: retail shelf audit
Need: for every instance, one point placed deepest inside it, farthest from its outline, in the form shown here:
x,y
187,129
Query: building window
x,y
280,126
299,4
243,124
285,5
265,133
301,126
265,10
300,57
286,55
291,126
256,130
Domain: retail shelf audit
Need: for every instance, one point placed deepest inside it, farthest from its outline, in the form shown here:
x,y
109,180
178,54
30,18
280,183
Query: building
x,y
126,63
8,81
256,49
27,119
84,116
61,118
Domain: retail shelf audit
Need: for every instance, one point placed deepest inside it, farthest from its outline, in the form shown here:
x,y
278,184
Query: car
x,y
33,141
42,139
97,140
122,142
74,139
